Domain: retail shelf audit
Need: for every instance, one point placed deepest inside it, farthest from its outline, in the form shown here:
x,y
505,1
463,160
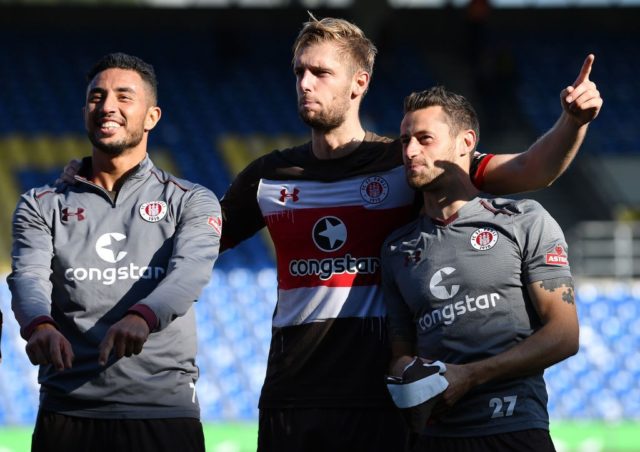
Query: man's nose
x,y
108,104
411,149
305,80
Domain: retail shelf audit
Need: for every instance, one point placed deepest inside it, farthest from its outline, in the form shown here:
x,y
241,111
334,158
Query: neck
x,y
110,171
442,203
338,142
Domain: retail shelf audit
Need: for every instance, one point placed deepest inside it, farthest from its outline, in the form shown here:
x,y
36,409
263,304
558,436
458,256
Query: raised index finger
x,y
585,70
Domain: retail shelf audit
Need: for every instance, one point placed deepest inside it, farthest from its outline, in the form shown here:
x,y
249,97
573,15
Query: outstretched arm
x,y
556,340
552,153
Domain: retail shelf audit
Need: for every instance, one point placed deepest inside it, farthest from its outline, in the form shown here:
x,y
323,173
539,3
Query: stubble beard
x,y
327,119
116,148
422,182
322,122
430,178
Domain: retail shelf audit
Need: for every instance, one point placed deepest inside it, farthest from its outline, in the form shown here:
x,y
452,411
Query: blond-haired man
x,y
328,205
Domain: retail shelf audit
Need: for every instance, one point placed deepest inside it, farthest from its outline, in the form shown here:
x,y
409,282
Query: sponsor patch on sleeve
x,y
558,256
216,224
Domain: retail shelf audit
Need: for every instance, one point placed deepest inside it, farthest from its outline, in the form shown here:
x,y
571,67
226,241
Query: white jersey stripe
x,y
385,190
317,304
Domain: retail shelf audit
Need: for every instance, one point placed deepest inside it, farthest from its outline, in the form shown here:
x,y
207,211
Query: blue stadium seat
x,y
614,132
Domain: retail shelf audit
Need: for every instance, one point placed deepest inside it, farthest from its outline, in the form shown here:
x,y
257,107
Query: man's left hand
x,y
126,337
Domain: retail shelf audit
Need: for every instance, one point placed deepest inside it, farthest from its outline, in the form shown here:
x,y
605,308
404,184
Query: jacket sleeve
x,y
195,249
241,212
31,255
478,165
543,245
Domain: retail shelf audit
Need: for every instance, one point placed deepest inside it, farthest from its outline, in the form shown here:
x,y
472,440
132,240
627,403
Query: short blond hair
x,y
349,37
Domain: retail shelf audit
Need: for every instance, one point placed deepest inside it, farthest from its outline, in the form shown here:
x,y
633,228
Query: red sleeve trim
x,y
27,331
146,313
478,176
40,195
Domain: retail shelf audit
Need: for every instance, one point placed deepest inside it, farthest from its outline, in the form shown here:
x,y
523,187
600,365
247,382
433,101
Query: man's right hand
x,y
69,172
47,345
582,100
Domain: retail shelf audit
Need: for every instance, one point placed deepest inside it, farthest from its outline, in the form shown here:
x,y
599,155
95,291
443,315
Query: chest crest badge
x,y
374,189
484,239
153,211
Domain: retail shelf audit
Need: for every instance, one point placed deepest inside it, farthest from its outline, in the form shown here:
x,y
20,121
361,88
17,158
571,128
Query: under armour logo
x,y
284,195
78,214
412,257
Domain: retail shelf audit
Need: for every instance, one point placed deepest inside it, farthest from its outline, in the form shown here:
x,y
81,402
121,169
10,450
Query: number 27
x,y
497,404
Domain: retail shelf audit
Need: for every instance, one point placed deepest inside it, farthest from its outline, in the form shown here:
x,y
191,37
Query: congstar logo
x,y
110,248
329,234
446,314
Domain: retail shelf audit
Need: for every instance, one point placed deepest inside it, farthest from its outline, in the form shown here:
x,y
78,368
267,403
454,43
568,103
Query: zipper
x,y
99,189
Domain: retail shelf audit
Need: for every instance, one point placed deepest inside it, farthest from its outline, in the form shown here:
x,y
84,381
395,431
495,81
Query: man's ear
x,y
152,118
469,140
360,83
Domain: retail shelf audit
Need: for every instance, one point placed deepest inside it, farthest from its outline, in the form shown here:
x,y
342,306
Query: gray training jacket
x,y
82,261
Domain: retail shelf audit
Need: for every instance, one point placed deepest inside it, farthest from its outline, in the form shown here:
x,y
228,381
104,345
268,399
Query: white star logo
x,y
334,233
108,248
329,233
440,291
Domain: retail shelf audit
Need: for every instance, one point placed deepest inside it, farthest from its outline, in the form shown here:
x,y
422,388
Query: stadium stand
x,y
615,131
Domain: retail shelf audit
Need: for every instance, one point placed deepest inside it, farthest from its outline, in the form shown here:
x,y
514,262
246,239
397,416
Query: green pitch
x,y
241,437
